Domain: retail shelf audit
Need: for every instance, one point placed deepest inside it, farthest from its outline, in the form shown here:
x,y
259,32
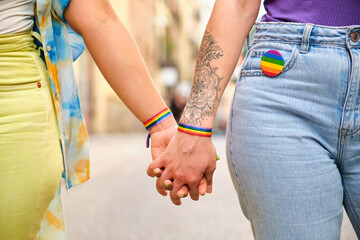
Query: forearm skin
x,y
225,34
116,54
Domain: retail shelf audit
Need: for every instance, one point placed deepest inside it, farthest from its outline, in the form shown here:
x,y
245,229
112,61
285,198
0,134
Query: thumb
x,y
156,164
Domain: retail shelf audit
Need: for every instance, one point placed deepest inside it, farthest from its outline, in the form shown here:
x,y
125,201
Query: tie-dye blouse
x,y
61,47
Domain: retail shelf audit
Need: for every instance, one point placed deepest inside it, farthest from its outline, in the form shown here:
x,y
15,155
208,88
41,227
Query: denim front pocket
x,y
251,65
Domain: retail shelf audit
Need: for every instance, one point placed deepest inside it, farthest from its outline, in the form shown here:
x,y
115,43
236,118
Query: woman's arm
x,y
117,56
189,157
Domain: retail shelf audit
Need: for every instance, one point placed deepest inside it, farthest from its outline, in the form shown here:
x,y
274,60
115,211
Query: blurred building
x,y
168,33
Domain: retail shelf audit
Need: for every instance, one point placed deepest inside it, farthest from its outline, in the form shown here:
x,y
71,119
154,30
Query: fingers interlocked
x,y
185,168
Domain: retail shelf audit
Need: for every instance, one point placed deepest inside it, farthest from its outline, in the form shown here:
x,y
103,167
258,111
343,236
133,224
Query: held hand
x,y
184,191
186,160
160,138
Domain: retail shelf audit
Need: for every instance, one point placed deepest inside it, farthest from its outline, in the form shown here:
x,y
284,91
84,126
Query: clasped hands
x,y
182,163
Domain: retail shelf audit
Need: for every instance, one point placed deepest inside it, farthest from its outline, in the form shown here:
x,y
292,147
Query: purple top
x,y
321,12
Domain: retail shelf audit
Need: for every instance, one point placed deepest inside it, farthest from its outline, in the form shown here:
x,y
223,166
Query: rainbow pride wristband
x,y
192,130
158,118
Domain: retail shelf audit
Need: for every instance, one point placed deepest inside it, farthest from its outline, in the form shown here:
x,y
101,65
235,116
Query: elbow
x,y
89,15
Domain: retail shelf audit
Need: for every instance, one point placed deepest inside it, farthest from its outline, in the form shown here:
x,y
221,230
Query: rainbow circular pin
x,y
272,63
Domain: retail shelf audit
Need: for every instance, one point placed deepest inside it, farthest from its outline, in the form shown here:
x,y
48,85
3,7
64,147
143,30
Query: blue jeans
x,y
294,139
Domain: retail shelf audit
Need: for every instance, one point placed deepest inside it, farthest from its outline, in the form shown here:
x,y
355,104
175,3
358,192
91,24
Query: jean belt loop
x,y
306,38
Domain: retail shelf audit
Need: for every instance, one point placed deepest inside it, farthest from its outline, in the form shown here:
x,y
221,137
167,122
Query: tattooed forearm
x,y
205,89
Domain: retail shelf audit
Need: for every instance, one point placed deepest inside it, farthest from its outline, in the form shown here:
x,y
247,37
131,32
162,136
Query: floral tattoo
x,y
205,90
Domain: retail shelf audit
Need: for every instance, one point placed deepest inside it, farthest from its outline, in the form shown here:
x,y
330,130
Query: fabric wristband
x,y
158,118
192,130
155,120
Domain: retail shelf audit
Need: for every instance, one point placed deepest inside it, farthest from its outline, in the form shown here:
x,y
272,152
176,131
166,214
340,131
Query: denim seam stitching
x,y
303,24
305,42
357,126
298,42
340,148
341,137
232,155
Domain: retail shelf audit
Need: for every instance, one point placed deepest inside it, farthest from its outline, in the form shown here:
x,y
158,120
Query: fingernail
x,y
181,196
167,184
157,171
217,158
202,194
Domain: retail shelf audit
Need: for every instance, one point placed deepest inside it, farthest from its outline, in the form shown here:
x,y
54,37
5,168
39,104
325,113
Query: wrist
x,y
195,130
158,121
195,121
165,124
189,143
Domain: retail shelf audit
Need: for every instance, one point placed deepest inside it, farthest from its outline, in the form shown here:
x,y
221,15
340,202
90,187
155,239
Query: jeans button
x,y
355,36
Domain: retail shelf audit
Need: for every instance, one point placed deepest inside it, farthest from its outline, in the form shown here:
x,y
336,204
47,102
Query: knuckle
x,y
177,185
150,170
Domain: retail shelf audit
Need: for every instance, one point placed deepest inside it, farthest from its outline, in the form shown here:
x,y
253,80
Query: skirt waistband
x,y
17,42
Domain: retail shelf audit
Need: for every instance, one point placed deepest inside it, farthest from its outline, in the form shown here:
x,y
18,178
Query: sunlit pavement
x,y
120,202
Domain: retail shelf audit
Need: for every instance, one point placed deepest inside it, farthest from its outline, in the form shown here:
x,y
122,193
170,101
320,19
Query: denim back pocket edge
x,y
258,72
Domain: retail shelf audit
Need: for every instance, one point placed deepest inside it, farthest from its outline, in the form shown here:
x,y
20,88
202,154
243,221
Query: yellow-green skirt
x,y
30,155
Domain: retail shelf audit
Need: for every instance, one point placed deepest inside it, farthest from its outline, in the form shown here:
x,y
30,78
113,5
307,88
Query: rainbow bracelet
x,y
153,121
192,130
158,118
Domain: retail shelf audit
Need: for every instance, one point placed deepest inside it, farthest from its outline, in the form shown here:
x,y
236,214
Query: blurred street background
x,y
168,33
120,201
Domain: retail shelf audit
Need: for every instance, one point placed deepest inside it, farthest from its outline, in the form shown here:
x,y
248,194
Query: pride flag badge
x,y
272,63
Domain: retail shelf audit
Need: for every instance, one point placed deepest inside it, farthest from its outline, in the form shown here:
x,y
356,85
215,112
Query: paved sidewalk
x,y
120,201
